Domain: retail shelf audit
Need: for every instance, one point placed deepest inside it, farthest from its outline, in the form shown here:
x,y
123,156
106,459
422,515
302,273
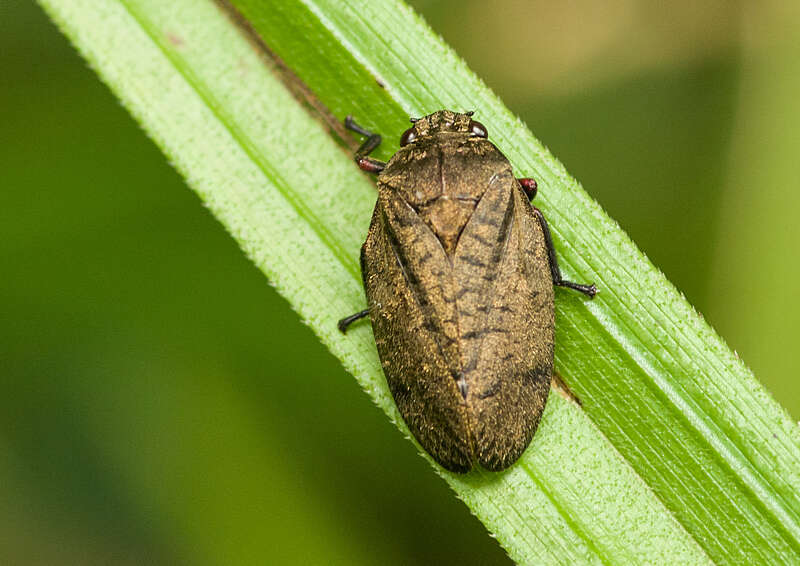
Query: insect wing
x,y
506,321
410,291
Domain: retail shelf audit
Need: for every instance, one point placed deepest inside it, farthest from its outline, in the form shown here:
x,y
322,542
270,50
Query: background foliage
x,y
134,328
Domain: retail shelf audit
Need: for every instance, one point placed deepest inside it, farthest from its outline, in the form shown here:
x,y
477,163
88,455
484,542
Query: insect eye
x,y
477,129
408,136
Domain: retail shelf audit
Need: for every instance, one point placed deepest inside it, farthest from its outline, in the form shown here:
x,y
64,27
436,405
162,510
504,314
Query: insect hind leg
x,y
369,164
588,290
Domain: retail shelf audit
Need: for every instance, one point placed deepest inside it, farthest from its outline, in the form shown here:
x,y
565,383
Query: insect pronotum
x,y
459,269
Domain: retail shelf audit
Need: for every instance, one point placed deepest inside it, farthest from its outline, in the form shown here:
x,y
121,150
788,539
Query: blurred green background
x,y
162,405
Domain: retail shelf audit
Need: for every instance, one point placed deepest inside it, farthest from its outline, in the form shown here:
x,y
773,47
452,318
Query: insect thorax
x,y
443,178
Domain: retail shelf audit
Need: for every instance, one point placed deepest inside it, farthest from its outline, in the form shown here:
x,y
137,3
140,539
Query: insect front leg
x,y
588,290
361,157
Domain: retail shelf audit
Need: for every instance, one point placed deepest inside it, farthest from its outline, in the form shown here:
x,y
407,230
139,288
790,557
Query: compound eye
x,y
408,137
477,129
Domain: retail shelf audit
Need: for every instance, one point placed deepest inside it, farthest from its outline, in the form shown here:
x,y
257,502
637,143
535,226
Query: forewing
x,y
410,290
505,310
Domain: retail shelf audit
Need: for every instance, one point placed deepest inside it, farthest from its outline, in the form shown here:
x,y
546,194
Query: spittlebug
x,y
459,270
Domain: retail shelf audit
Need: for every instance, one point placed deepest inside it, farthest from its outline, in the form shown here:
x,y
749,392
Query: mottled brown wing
x,y
410,291
505,311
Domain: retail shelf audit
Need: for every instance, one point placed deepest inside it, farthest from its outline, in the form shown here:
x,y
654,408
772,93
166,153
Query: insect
x,y
459,270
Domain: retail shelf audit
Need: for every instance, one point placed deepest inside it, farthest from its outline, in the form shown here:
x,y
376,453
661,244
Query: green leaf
x,y
677,455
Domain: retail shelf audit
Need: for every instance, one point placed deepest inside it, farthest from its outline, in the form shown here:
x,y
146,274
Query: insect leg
x,y
361,157
348,320
588,290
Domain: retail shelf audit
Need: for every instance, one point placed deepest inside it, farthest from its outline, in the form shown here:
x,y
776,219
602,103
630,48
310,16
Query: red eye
x,y
408,137
477,129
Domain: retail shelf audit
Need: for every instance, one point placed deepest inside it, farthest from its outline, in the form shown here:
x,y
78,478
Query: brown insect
x,y
459,270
